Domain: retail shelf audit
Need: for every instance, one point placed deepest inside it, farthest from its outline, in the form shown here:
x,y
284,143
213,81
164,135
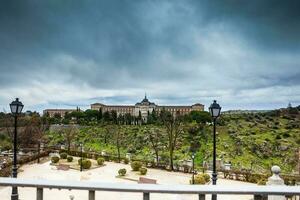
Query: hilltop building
x,y
61,112
145,106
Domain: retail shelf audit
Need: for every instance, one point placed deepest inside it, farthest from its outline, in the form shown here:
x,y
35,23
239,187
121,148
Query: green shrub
x,y
100,161
278,137
79,161
86,164
206,177
286,135
122,172
143,170
126,160
55,159
201,179
262,182
69,158
136,165
63,155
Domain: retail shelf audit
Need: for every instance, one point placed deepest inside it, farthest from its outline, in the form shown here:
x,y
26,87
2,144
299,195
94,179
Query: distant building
x,y
145,106
61,112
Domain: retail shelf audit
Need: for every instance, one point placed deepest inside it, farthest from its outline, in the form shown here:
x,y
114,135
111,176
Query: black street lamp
x,y
193,168
81,157
16,108
215,111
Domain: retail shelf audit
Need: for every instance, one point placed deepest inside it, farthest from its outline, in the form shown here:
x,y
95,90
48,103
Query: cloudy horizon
x,y
63,54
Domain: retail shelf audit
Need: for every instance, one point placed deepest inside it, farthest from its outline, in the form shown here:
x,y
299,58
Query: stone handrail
x,y
258,191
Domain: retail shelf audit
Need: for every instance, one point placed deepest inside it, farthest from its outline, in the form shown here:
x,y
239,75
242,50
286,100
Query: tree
x,y
69,135
140,119
194,137
91,114
128,118
78,115
119,139
154,116
156,139
57,118
114,116
174,126
200,116
100,114
106,116
121,119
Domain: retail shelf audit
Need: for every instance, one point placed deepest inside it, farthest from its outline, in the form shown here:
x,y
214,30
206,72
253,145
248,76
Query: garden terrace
x,y
146,189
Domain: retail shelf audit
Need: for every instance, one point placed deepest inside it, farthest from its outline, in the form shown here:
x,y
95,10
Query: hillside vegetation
x,y
248,141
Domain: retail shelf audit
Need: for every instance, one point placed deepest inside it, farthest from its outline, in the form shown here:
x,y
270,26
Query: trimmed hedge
x,y
63,155
55,159
122,172
86,164
100,161
143,170
69,158
136,165
126,160
201,179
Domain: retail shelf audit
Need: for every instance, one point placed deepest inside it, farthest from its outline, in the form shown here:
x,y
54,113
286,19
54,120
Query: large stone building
x,y
145,106
61,112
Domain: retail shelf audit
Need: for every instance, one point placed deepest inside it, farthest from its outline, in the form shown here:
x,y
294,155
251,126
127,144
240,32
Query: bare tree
x,y
32,132
70,134
119,140
7,122
155,137
174,126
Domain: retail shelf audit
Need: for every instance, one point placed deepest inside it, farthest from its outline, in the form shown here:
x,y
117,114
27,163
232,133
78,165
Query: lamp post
x,y
215,111
193,168
16,108
81,157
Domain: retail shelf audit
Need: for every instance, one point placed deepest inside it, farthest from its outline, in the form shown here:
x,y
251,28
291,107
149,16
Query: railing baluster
x,y
201,196
39,193
146,196
91,195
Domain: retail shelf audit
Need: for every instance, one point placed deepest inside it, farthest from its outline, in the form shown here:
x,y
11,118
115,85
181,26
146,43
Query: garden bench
x,y
144,180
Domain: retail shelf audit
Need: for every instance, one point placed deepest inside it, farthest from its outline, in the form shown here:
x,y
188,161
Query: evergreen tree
x,y
100,114
106,116
114,116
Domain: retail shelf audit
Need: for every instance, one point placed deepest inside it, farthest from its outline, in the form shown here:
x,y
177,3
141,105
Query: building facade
x,y
61,112
145,106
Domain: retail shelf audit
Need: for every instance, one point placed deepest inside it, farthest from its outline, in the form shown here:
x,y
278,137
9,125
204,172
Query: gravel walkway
x,y
106,173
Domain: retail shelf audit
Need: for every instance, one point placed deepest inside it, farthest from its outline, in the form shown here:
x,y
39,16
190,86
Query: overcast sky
x,y
63,54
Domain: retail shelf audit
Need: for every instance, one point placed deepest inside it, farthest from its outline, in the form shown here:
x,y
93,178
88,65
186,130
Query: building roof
x,y
97,104
198,104
174,106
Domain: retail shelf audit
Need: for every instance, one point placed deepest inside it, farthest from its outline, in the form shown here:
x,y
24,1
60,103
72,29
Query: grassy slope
x,y
242,140
261,141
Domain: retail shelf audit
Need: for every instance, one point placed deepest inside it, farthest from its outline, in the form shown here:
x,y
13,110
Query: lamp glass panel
x,y
13,108
216,112
20,107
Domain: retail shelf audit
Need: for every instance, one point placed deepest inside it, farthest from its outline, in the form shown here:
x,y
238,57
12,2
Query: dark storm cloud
x,y
272,23
161,46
